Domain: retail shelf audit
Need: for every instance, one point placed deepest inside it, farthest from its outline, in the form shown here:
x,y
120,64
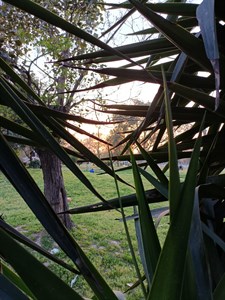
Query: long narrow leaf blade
x,y
80,147
168,279
37,279
150,239
48,140
17,79
15,280
219,292
152,196
183,9
157,184
9,291
24,240
181,38
206,18
198,255
25,185
153,165
174,181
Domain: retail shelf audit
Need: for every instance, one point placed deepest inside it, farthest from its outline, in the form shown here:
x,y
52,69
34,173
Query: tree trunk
x,y
54,188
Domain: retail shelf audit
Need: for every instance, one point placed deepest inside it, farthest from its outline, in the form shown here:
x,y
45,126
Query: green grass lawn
x,y
101,235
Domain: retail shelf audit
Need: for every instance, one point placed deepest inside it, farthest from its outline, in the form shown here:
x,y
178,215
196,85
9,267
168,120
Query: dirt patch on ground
x,y
21,229
115,243
37,237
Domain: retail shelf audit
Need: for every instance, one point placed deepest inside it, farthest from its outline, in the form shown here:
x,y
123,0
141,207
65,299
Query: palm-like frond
x,y
191,87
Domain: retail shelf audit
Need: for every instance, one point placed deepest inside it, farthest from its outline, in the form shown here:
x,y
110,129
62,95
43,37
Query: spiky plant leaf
x,y
150,239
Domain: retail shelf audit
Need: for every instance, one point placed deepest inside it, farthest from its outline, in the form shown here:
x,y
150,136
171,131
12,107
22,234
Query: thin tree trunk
x,y
54,188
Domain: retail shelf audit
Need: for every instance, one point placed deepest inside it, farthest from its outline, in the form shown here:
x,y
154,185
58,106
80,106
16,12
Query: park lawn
x,y
101,235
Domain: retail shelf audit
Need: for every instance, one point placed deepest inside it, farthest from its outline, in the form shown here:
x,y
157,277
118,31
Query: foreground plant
x,y
190,264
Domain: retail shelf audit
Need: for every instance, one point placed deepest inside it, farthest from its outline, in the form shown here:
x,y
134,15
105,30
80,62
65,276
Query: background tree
x,y
29,45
